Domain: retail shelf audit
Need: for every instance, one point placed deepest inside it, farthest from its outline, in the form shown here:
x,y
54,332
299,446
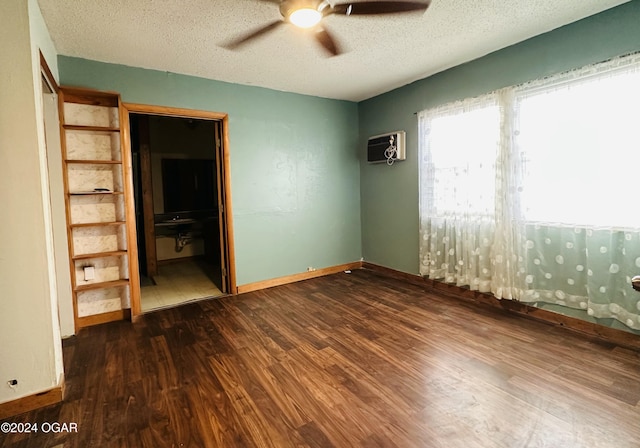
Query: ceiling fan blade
x,y
327,42
372,8
253,34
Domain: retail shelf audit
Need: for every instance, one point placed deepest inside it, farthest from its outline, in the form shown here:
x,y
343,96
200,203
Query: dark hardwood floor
x,y
348,360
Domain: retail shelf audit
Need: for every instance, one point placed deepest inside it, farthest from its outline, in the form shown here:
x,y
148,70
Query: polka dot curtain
x,y
524,192
588,269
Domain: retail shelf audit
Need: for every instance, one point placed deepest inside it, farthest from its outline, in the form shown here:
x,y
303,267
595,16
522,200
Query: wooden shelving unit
x,y
100,254
102,285
95,162
100,221
98,224
74,127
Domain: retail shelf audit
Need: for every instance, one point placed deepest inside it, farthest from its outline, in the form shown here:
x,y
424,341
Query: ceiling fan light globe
x,y
305,17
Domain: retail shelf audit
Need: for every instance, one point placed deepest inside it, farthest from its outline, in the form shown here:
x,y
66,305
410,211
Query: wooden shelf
x,y
77,127
97,158
115,253
94,162
102,285
81,95
103,318
97,224
93,193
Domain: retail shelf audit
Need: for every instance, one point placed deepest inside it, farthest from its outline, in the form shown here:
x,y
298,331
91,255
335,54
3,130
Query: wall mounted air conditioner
x,y
386,148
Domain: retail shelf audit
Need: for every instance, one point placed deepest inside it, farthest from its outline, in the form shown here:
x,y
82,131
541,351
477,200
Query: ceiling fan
x,y
308,14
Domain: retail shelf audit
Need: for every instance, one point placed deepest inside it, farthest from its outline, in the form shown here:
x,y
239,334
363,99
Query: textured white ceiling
x,y
380,53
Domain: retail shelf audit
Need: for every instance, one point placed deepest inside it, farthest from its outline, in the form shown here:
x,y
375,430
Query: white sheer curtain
x,y
579,138
528,192
457,220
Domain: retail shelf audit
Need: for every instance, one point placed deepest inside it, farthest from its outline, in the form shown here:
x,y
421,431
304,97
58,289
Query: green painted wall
x,y
294,165
389,195
303,194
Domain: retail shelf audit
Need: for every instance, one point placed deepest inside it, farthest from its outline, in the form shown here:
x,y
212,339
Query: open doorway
x,y
181,190
57,209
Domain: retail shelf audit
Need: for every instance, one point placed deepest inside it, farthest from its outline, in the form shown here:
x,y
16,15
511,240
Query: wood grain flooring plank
x,y
166,372
306,399
314,437
212,410
291,329
347,360
252,337
265,327
277,411
389,414
378,441
287,409
362,417
247,418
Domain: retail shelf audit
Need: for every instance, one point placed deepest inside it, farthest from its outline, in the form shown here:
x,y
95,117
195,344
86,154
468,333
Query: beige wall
x,y
30,346
50,152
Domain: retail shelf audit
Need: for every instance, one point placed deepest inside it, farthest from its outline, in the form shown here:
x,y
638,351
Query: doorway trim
x,y
225,164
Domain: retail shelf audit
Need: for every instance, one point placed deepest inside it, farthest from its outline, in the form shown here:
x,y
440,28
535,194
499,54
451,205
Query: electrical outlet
x,y
311,269
89,273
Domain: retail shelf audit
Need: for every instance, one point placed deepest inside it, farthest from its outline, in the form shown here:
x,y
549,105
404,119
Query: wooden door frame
x,y
223,118
147,197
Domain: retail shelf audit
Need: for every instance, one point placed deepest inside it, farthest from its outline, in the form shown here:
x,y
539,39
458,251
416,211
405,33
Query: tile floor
x,y
179,282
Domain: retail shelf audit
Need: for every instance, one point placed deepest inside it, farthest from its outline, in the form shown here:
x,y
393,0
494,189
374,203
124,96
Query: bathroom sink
x,y
173,222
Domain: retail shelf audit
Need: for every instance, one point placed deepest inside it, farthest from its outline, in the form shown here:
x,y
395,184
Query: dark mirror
x,y
188,185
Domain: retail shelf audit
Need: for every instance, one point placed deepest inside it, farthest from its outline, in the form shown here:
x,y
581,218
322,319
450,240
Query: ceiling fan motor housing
x,y
287,7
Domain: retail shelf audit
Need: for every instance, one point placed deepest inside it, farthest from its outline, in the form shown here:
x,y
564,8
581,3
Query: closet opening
x,y
181,195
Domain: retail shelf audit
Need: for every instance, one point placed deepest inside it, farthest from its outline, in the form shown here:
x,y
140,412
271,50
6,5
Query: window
x,y
580,142
529,192
461,165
